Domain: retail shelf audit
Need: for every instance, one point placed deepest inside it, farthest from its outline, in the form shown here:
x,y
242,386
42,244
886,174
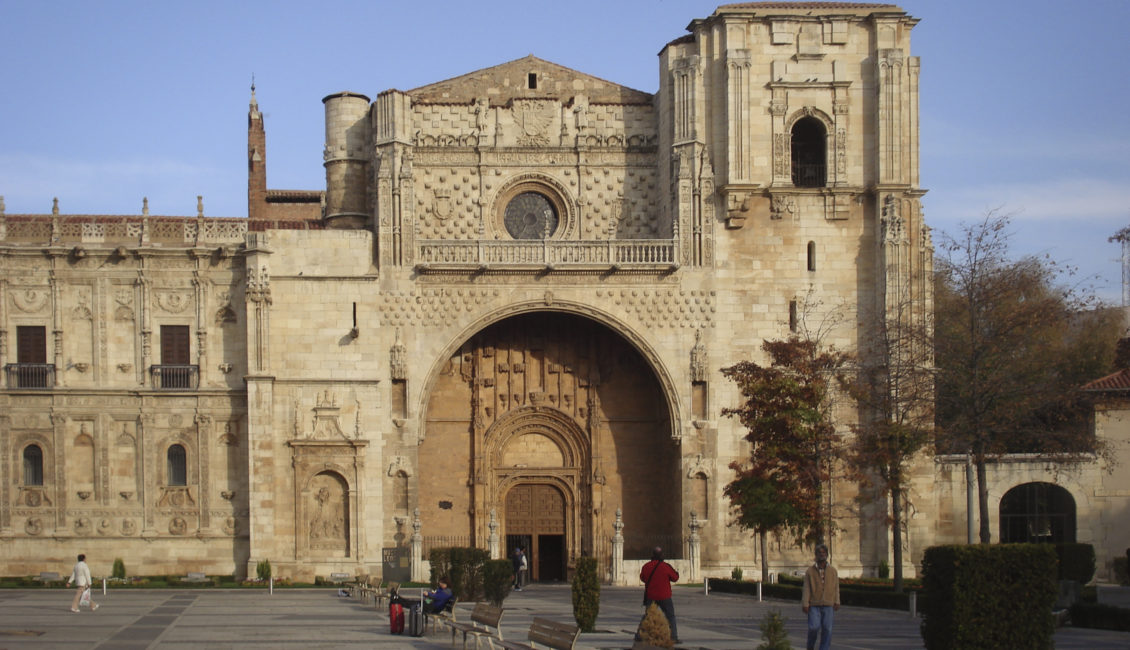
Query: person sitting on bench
x,y
436,599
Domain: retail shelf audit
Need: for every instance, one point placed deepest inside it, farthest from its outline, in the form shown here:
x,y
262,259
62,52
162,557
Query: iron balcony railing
x,y
175,376
31,375
810,175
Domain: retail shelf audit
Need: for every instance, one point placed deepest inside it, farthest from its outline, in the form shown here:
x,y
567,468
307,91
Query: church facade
x,y
502,321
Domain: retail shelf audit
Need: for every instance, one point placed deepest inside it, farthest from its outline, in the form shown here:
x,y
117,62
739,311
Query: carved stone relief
x,y
172,301
326,509
30,301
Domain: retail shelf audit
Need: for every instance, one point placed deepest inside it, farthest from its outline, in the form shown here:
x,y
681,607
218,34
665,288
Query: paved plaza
x,y
317,618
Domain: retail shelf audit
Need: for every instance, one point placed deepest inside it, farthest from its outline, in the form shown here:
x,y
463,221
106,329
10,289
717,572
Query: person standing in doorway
x,y
819,598
657,577
80,576
518,561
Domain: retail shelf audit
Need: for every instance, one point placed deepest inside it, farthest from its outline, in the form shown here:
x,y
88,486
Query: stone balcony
x,y
484,256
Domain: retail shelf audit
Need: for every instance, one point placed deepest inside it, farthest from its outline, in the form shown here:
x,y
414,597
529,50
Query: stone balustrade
x,y
639,252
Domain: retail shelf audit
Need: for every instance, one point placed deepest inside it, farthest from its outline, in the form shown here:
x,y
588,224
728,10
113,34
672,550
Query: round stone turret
x,y
346,159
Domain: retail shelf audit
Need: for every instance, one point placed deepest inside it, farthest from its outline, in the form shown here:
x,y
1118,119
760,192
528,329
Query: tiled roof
x,y
1114,382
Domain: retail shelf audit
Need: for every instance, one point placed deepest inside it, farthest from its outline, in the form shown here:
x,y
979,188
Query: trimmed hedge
x,y
874,596
1121,576
1076,561
989,596
463,568
1100,617
749,587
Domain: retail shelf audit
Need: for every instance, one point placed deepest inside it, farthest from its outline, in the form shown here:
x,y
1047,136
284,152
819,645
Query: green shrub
x,y
988,596
773,634
884,569
736,573
463,568
586,594
498,576
1100,617
263,570
119,570
654,628
1121,575
1076,561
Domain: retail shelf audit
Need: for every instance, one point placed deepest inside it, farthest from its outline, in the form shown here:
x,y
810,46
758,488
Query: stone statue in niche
x,y
398,359
698,358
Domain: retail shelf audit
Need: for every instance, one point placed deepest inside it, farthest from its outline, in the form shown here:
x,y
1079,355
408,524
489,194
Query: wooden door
x,y
537,512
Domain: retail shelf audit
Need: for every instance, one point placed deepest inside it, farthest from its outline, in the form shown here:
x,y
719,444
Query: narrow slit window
x,y
792,316
811,256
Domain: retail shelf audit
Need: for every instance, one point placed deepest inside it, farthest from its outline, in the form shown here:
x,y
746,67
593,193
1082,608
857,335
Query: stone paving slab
x,y
318,618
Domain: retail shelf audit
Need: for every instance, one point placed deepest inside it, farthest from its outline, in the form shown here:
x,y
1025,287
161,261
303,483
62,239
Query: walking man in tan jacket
x,y
819,598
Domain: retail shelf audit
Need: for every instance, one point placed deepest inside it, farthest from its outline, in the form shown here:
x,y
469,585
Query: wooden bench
x,y
551,634
484,615
195,576
48,576
445,616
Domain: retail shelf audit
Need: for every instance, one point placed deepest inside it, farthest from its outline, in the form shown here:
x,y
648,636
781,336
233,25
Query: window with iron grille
x,y
175,370
31,369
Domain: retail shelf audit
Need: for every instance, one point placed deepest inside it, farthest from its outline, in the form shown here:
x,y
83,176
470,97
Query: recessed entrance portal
x,y
535,520
553,422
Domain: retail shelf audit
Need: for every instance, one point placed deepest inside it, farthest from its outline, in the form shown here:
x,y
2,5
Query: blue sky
x,y
1023,103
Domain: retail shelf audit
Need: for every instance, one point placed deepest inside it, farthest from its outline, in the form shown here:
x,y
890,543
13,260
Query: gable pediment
x,y
502,84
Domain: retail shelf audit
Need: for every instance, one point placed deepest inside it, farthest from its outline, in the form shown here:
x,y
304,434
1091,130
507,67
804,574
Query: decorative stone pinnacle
x,y
199,205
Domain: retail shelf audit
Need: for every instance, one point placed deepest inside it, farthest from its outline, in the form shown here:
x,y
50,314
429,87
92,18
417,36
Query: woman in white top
x,y
80,576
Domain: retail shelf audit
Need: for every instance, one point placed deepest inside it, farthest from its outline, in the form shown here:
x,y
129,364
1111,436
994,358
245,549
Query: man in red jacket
x,y
657,577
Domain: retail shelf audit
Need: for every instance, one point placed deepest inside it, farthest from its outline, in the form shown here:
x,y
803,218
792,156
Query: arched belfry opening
x,y
809,153
552,422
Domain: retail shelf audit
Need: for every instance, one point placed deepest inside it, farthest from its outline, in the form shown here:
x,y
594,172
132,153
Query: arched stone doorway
x,y
1037,512
559,406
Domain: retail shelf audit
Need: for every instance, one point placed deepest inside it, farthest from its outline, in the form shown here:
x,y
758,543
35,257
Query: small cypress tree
x,y
586,594
773,632
119,571
263,570
497,578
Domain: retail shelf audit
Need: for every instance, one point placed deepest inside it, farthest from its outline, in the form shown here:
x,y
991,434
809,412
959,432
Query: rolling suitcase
x,y
415,619
396,618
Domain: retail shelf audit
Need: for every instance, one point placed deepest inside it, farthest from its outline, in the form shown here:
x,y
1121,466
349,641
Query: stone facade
x,y
501,322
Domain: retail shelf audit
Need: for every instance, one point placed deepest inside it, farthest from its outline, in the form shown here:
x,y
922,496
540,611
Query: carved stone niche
x,y
327,480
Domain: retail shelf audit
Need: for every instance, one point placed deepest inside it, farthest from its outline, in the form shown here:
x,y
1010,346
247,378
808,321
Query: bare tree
x,y
1013,343
894,390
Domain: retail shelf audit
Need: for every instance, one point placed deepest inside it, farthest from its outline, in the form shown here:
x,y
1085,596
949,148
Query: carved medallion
x,y
29,300
173,302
